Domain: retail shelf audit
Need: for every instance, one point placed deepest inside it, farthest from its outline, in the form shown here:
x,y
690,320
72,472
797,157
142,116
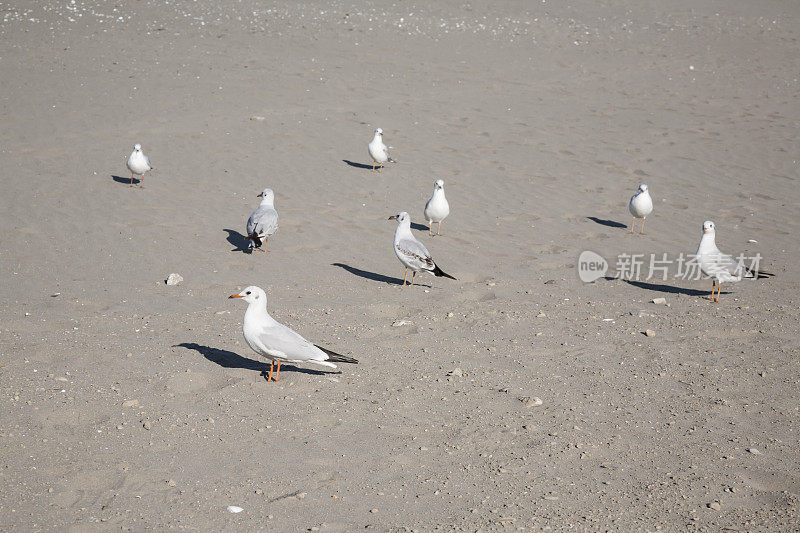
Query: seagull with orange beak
x,y
276,342
411,252
718,266
378,151
138,164
263,222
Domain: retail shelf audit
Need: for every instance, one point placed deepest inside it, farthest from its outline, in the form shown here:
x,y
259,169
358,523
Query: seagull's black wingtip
x,y
334,357
438,272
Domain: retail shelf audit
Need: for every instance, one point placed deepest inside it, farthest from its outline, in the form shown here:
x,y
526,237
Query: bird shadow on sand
x,y
374,276
125,181
357,165
606,222
419,227
660,287
238,240
227,359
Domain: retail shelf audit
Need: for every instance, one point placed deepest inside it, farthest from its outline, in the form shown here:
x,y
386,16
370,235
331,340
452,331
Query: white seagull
x,y
263,222
437,208
138,164
718,266
411,252
378,151
640,206
276,342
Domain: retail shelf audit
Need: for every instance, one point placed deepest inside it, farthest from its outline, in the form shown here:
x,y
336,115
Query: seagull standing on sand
x,y
138,164
276,342
411,252
263,222
378,151
640,206
437,208
718,266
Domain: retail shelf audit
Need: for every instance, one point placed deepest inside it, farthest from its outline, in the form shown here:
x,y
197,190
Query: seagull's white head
x,y
267,194
379,132
438,184
402,217
709,227
137,147
642,188
251,295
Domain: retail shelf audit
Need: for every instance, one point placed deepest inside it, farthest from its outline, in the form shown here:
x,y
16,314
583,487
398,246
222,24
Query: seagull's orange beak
x,y
393,217
235,296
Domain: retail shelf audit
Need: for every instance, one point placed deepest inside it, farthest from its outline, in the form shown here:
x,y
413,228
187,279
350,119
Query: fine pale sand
x,y
131,404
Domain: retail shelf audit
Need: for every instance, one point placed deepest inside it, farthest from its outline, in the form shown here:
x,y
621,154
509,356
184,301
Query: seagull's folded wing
x,y
285,343
718,263
263,220
415,253
728,263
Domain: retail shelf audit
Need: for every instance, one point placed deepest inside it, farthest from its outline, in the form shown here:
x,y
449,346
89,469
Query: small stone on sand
x,y
531,401
174,279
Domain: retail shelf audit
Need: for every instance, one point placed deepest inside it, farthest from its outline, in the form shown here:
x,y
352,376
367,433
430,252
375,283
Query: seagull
x,y
437,208
263,222
276,342
718,266
640,206
378,151
138,164
411,252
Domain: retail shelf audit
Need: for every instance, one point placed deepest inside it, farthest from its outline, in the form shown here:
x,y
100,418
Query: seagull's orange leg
x,y
405,273
141,182
271,367
633,225
413,273
373,166
439,229
131,185
719,290
642,230
430,228
713,288
381,169
266,241
278,373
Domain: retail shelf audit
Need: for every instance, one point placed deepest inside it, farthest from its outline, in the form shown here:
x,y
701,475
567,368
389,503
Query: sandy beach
x,y
129,404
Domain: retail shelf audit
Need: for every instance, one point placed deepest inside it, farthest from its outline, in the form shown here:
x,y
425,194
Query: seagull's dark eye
x,y
248,292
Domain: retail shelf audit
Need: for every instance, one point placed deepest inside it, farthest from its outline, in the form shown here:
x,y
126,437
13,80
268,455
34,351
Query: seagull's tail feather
x,y
759,274
337,357
256,240
438,272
